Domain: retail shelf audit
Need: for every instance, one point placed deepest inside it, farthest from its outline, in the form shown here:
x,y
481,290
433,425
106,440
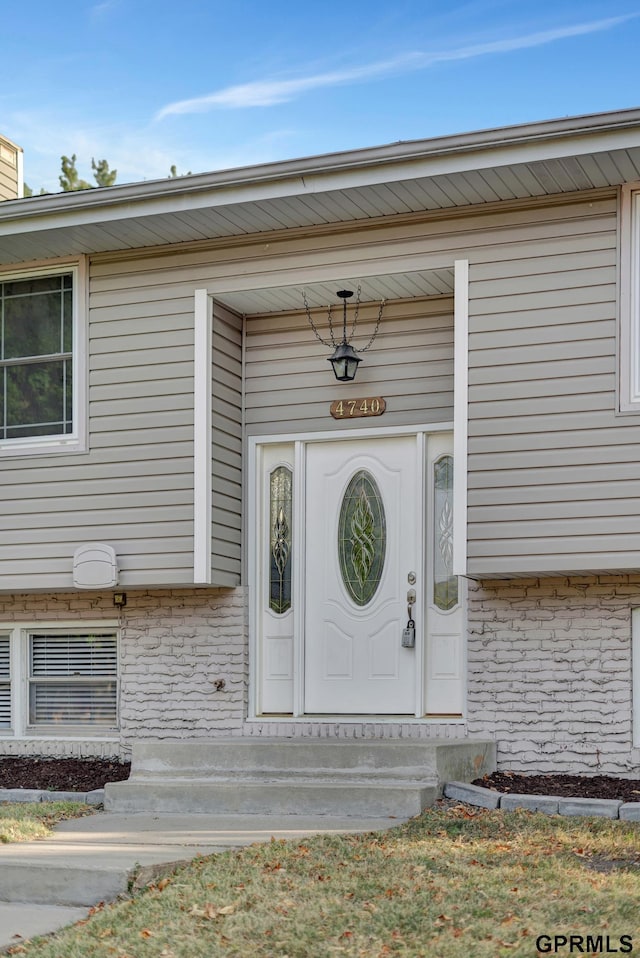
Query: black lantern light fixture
x,y
345,358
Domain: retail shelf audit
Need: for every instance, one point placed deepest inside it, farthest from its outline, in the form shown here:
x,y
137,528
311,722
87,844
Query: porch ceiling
x,y
520,162
402,285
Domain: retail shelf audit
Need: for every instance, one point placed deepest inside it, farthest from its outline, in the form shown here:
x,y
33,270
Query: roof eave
x,y
355,168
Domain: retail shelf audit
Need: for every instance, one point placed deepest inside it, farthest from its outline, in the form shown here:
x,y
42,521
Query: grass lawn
x,y
453,883
24,822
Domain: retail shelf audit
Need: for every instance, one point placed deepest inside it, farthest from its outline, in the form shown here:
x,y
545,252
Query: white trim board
x,y
202,439
376,433
460,415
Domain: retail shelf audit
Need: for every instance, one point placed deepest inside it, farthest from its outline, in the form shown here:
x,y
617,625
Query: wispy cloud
x,y
271,92
100,9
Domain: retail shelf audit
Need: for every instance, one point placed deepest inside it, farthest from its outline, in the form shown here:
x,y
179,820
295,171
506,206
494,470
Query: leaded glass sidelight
x,y
280,493
445,583
362,538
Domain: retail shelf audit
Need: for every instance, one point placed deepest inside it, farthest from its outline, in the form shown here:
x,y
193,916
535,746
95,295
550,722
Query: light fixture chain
x,y
355,315
314,327
363,349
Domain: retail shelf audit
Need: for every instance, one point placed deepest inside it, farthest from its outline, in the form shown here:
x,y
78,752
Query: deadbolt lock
x,y
411,578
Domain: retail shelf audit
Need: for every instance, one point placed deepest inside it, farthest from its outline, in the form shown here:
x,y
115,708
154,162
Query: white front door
x,y
363,539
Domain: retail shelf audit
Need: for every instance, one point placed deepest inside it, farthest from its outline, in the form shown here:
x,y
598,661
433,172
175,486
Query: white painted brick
x,y
563,702
548,672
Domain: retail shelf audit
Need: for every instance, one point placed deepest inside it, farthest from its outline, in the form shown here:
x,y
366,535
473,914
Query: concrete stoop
x,y
268,776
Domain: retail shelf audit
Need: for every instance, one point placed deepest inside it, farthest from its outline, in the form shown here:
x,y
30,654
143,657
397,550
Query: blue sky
x,y
209,85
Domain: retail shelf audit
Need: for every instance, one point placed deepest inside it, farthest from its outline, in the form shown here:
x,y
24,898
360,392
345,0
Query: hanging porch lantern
x,y
345,359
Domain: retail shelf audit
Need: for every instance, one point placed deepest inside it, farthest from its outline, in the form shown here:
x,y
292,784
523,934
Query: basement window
x,y
58,680
72,679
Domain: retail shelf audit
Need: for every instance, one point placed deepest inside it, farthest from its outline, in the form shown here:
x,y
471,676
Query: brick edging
x,y
94,797
550,804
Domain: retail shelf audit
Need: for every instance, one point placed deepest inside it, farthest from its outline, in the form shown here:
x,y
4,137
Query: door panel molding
x,y
382,674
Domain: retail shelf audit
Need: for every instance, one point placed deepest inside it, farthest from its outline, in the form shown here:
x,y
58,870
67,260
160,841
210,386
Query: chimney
x,y
11,175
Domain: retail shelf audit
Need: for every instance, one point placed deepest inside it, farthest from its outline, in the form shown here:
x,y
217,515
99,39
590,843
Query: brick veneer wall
x,y
549,672
174,646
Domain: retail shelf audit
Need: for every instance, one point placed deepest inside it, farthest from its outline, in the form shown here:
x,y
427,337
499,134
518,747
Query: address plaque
x,y
357,408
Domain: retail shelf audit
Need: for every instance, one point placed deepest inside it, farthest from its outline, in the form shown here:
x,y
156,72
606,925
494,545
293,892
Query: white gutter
x,y
356,168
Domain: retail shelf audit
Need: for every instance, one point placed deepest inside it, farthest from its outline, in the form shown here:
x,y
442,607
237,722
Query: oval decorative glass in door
x,y
362,538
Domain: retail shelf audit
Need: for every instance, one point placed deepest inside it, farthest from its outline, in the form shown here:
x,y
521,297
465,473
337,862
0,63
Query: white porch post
x,y
460,414
202,386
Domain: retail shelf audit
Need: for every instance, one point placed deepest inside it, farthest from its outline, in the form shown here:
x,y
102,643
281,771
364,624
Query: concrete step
x,y
400,800
252,755
395,778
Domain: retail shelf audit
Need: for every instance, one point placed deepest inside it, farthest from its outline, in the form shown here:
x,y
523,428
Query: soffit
x,y
516,163
392,286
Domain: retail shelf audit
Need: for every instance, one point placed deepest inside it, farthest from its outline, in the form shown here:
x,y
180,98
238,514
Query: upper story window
x,y
39,351
630,299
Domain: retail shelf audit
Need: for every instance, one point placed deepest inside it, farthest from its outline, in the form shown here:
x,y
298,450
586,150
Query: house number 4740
x,y
356,408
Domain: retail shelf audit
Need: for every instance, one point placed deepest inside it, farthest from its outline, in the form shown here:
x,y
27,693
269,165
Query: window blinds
x,y
73,679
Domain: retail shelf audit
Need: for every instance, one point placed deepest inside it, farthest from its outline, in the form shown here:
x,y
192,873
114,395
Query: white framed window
x,y
5,681
72,679
41,359
630,298
58,680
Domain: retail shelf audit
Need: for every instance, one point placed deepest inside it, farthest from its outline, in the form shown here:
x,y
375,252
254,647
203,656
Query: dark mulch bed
x,y
85,774
61,774
569,786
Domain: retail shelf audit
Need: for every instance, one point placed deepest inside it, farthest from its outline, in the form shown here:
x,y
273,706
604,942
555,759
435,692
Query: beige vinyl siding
x,y
542,427
133,487
226,422
554,472
290,384
8,170
141,409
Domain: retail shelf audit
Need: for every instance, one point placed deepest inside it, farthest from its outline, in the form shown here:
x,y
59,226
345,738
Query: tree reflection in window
x,y
36,341
280,491
445,584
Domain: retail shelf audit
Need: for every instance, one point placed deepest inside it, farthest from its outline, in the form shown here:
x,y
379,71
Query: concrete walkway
x,y
48,884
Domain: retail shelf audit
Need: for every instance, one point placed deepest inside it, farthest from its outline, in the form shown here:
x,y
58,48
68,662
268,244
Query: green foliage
x,y
69,178
27,191
102,174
